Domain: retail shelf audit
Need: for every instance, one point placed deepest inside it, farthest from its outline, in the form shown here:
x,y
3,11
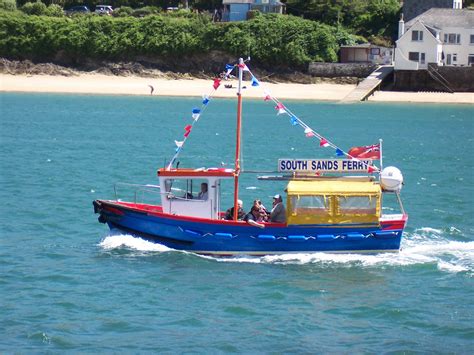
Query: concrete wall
x,y
334,70
460,79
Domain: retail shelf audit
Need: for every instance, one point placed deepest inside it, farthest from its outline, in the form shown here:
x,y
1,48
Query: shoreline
x,y
100,84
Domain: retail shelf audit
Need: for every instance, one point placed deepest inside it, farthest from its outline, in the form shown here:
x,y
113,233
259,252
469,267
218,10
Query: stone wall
x,y
460,79
334,70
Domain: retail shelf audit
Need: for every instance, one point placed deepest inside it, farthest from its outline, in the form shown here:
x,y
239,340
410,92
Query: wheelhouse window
x,y
311,204
357,204
187,189
452,38
417,36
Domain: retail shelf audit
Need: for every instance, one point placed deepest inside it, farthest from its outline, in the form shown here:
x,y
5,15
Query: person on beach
x,y
278,213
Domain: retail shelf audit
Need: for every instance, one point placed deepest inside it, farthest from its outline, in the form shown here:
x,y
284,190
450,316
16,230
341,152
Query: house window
x,y
375,51
417,35
455,57
472,39
422,58
452,38
414,56
470,59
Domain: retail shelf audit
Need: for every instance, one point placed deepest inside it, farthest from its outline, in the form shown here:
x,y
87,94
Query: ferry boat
x,y
328,209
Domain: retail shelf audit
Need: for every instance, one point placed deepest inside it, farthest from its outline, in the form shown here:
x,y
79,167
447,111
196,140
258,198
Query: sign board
x,y
324,165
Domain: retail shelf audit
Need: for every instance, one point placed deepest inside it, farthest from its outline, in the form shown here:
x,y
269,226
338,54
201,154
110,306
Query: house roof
x,y
440,18
362,45
227,2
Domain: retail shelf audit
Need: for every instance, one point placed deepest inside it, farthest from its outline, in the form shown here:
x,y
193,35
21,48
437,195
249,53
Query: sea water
x,y
67,284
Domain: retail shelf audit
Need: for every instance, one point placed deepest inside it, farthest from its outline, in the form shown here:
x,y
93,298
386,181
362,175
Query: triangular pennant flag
x,y
309,132
229,67
196,114
267,98
205,99
217,83
187,130
280,108
370,169
243,66
255,81
179,144
339,152
294,120
323,143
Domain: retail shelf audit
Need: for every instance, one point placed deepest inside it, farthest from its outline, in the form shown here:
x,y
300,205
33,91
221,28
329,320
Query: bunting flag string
x,y
196,114
308,131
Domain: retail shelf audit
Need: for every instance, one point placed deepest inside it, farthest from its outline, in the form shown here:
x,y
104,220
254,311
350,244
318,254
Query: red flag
x,y
187,130
217,83
365,152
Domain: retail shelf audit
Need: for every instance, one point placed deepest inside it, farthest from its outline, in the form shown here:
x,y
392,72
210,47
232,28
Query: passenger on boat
x,y
229,215
253,217
278,213
263,214
203,194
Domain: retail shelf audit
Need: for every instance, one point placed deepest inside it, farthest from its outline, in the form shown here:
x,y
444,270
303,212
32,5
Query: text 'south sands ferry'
x,y
328,208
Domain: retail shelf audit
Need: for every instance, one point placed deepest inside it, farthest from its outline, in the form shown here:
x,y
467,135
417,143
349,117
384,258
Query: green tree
x,y
34,8
8,5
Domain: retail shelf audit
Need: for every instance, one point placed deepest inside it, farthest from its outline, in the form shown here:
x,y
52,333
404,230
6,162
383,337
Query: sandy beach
x,y
96,84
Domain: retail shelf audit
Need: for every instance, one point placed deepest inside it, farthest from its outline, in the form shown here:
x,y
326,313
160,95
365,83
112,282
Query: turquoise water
x,y
67,285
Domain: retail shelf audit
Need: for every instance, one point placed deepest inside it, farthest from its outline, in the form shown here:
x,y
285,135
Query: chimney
x,y
401,26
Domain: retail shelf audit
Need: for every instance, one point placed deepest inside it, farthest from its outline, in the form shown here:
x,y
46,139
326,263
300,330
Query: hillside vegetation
x,y
271,40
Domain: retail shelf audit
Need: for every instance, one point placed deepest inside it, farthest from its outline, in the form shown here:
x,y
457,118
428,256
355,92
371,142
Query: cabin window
x,y
310,204
187,189
357,204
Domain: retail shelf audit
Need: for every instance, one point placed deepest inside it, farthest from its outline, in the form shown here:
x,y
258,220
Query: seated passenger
x,y
253,217
278,213
229,215
263,214
202,195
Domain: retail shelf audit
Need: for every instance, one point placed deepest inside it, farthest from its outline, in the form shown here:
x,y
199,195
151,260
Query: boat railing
x,y
137,193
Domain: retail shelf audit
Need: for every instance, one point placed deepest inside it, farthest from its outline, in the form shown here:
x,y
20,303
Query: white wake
x,y
423,246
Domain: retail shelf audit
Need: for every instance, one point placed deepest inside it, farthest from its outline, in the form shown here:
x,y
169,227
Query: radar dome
x,y
391,179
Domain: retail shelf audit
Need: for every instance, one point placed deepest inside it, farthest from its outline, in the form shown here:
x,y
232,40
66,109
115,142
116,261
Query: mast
x,y
237,144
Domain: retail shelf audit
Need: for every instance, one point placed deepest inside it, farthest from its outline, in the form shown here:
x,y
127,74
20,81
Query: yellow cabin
x,y
333,201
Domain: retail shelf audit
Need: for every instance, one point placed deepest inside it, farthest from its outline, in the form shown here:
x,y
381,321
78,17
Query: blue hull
x,y
233,238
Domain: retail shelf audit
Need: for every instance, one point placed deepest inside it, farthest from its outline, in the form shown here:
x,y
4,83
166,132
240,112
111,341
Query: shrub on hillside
x,y
146,11
34,8
8,5
123,11
54,10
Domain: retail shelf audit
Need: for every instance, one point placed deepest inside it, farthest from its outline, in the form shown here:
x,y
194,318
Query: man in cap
x,y
278,213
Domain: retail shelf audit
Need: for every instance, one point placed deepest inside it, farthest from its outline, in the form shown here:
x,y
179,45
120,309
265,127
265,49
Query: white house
x,y
440,36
